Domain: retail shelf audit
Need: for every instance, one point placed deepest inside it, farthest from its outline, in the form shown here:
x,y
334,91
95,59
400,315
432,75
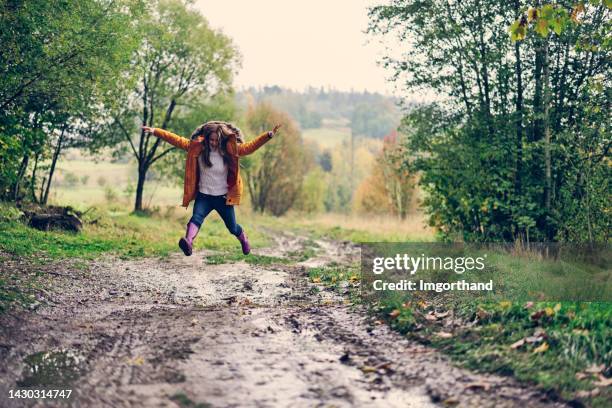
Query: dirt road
x,y
179,332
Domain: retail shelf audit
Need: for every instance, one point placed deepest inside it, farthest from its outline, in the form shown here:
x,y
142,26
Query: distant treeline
x,y
366,113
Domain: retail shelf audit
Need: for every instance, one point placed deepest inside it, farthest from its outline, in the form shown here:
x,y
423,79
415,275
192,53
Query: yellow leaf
x,y
549,311
505,304
368,369
136,361
316,280
394,313
557,307
542,348
532,14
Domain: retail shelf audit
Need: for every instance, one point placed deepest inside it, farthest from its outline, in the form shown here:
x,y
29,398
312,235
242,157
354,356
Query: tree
x,y
390,186
55,60
181,61
275,173
494,152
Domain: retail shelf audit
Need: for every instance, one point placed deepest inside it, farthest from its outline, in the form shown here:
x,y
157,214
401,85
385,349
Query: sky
x,y
295,44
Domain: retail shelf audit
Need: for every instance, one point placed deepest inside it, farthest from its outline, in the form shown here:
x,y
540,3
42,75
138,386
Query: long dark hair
x,y
224,130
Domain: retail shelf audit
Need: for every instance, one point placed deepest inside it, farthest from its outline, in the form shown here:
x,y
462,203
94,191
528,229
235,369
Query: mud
x,y
178,332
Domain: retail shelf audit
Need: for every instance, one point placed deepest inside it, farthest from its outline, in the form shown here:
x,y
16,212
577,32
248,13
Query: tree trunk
x,y
519,111
547,140
33,181
56,154
22,169
142,174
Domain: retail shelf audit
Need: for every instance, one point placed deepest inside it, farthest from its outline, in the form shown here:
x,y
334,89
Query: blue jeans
x,y
205,203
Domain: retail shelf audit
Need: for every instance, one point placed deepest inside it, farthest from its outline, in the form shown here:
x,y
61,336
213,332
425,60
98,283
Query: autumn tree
x,y
275,173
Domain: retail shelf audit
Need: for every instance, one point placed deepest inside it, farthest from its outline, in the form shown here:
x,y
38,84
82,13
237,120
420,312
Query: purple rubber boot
x,y
186,242
244,242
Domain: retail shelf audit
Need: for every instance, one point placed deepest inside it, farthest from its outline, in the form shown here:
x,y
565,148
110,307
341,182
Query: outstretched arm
x,y
253,145
174,140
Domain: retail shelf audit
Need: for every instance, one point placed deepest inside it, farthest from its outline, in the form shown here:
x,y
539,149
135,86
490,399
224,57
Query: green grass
x,y
251,259
324,228
564,338
575,336
185,402
120,233
327,137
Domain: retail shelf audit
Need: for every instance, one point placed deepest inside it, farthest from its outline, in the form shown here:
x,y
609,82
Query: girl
x,y
212,174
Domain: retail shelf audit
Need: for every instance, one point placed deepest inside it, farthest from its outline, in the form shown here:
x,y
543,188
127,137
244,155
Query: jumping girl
x,y
212,174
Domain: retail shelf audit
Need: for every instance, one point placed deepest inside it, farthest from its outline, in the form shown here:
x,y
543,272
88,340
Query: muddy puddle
x,y
51,368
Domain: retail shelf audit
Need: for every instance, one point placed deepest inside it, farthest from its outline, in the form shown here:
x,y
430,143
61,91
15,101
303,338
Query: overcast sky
x,y
295,43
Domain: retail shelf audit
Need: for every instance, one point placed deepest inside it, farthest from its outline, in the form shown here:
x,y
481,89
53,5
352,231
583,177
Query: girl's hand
x,y
148,129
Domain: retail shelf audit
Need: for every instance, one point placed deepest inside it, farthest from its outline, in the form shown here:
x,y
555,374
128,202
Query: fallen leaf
x,y
603,381
383,366
136,361
316,280
542,348
582,376
394,313
431,317
478,384
537,315
517,344
528,305
549,311
588,394
442,315
194,321
534,339
595,369
482,314
368,369
450,401
444,335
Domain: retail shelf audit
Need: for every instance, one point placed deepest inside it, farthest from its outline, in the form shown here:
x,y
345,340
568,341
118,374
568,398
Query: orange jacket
x,y
194,148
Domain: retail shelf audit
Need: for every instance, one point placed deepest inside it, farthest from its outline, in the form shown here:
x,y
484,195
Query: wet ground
x,y
178,332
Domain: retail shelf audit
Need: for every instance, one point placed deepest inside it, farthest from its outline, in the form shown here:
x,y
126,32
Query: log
x,y
46,222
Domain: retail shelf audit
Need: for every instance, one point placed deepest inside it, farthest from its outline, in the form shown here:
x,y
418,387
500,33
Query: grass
x,y
327,137
564,348
354,227
251,259
121,233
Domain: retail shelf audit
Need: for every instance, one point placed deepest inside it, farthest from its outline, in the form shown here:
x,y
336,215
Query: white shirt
x,y
213,180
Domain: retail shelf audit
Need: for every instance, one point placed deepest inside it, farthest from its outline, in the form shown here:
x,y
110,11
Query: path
x,y
179,332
